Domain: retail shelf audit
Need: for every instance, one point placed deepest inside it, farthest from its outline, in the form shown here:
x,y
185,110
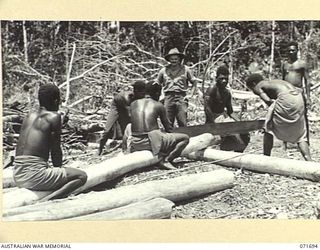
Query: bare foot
x,y
167,165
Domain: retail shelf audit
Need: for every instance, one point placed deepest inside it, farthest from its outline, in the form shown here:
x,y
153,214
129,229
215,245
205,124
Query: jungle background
x,y
90,61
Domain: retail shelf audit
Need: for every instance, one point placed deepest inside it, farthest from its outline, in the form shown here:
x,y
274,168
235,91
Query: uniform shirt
x,y
175,81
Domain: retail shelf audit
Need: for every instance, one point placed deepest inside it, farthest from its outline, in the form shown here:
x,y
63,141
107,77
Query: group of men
x,y
134,117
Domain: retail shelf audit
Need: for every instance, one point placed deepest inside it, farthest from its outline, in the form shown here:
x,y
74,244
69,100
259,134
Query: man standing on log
x,y
175,79
40,136
295,71
119,115
285,118
145,131
218,108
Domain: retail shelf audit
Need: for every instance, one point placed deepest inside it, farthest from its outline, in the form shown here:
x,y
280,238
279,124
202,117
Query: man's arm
x,y
208,103
56,152
306,81
230,110
258,90
164,119
192,80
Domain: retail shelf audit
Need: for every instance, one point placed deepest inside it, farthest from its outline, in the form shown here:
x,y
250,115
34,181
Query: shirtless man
x,y
40,136
218,98
218,108
146,134
285,118
119,114
295,71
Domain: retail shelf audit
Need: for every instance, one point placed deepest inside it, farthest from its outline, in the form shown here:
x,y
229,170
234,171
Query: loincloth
x,y
33,172
159,143
285,118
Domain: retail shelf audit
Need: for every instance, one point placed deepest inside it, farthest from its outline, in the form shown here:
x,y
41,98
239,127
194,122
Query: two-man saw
x,y
222,129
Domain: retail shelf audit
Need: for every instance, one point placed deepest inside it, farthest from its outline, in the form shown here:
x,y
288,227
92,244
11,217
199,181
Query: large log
x,y
97,173
261,163
158,208
7,178
105,171
174,189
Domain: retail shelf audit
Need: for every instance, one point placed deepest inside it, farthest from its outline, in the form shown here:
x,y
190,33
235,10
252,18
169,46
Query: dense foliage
x,y
108,55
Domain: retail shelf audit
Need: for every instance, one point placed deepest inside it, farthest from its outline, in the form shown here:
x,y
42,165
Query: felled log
x,y
174,189
200,142
158,208
261,163
98,173
7,178
195,144
317,208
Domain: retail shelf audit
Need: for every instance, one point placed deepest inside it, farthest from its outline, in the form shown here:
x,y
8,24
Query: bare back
x,y
40,134
144,114
272,88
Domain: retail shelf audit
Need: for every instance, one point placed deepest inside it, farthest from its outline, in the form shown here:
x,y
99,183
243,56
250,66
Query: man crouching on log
x,y
146,134
39,136
285,118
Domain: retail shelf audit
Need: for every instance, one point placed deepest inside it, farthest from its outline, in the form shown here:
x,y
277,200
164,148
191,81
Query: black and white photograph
x,y
149,120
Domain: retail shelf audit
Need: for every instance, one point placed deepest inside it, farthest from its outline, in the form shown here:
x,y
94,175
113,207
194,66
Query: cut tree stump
x,y
174,189
105,171
158,208
261,163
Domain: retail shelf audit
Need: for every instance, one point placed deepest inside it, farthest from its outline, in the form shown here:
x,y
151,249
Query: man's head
x,y
49,97
174,56
222,77
293,49
253,80
153,89
139,89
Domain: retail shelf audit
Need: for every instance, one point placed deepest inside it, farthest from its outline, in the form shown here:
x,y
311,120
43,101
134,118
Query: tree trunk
x,y
174,189
272,49
105,171
25,41
261,163
157,208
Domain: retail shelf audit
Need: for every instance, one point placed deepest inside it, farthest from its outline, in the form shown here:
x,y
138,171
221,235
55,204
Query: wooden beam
x,y
174,189
158,208
261,163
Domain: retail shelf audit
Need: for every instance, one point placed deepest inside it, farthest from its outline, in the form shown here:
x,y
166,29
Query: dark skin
x,y
268,92
218,98
295,71
41,136
144,115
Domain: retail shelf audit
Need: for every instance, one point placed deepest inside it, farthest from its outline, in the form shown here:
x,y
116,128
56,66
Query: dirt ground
x,y
254,195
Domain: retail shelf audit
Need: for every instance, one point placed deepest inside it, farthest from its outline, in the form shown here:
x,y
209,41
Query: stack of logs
x,y
149,200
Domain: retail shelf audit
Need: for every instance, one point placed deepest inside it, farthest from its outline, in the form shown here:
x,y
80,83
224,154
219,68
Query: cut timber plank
x,y
222,129
261,163
174,189
105,171
158,208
